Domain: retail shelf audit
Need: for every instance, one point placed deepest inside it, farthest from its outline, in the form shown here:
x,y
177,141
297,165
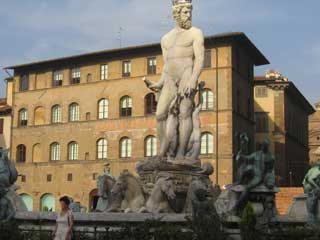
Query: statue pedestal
x,y
183,176
298,209
261,198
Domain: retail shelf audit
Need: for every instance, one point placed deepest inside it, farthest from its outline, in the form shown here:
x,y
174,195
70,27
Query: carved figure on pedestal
x,y
163,191
311,184
126,194
10,202
183,54
7,210
105,183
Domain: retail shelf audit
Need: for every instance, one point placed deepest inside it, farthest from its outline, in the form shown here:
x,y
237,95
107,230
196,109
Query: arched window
x,y
36,153
73,151
28,201
102,149
24,83
89,77
74,112
206,143
207,98
125,147
39,116
55,151
21,153
125,106
150,146
103,106
150,103
47,203
23,117
56,114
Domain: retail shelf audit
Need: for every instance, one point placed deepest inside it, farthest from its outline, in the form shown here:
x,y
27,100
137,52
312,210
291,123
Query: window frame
x,y
152,147
73,154
150,104
75,76
56,117
23,121
126,71
21,153
57,152
261,92
206,100
128,147
208,143
1,126
207,56
24,83
105,109
57,82
104,71
73,113
152,65
127,110
104,151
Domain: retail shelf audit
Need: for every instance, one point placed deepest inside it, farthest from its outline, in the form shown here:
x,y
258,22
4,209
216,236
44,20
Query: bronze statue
x,y
311,184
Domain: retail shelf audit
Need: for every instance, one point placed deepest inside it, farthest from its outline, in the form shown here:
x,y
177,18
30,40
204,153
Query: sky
x,y
286,31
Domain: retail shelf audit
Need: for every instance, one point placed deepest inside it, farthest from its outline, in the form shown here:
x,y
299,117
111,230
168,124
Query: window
x,y
23,117
152,65
103,106
104,72
74,112
261,92
89,77
49,178
73,150
102,149
56,114
88,116
47,203
207,59
57,78
150,103
55,151
1,126
23,178
126,106
94,176
206,143
207,100
125,147
126,68
262,122
24,83
150,146
75,75
69,177
21,153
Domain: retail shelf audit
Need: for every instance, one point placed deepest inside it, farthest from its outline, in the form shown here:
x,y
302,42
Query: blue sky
x,y
286,31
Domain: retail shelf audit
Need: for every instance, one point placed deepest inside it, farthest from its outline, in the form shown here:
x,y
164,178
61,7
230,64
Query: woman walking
x,y
64,225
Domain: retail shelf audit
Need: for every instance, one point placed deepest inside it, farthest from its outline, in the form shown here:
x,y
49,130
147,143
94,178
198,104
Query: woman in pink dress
x,y
63,229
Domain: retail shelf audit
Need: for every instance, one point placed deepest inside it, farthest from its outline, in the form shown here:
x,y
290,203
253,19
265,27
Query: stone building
x,y
281,113
314,135
73,115
5,117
